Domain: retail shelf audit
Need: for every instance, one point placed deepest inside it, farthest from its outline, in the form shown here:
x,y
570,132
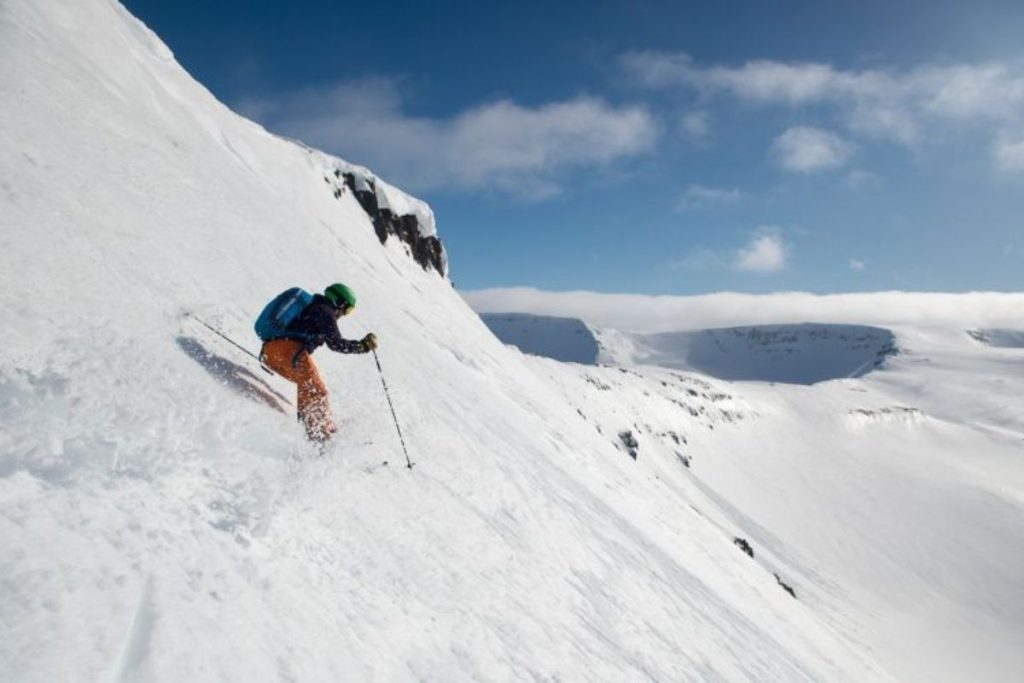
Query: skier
x,y
289,354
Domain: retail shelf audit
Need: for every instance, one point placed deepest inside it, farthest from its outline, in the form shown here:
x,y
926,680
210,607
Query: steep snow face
x,y
563,339
794,354
161,516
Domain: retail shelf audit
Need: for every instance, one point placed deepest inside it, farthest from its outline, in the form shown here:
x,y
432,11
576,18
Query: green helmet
x,y
340,294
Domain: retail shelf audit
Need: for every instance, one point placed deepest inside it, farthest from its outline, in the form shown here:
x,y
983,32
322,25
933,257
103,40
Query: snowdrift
x,y
161,516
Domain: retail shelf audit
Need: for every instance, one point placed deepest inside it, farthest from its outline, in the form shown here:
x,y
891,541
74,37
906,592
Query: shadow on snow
x,y
235,377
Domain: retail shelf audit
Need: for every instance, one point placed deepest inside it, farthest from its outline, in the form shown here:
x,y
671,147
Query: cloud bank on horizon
x,y
652,314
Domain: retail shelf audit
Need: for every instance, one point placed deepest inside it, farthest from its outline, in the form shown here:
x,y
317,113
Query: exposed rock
x,y
426,251
630,442
743,545
785,586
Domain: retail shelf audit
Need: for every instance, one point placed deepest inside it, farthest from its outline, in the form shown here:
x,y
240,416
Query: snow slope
x,y
160,515
893,502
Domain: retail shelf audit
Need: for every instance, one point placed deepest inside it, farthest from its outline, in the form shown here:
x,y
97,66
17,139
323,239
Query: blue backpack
x,y
281,312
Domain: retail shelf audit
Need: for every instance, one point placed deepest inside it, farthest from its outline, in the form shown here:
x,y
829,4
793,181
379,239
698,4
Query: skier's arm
x,y
327,326
335,342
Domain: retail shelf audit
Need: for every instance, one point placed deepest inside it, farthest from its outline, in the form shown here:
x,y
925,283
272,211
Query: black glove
x,y
369,342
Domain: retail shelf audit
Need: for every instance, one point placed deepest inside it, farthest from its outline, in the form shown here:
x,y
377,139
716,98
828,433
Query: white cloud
x,y
765,253
897,105
806,150
696,127
756,80
1010,155
775,81
495,146
857,265
884,120
650,314
990,91
701,196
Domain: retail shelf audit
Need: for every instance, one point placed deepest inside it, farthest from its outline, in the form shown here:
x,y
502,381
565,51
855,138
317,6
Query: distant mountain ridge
x,y
803,353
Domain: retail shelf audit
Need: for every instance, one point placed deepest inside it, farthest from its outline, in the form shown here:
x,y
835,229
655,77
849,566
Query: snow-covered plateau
x,y
651,511
878,469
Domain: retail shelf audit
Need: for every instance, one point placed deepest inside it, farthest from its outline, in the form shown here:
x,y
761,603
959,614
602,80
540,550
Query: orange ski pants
x,y
287,358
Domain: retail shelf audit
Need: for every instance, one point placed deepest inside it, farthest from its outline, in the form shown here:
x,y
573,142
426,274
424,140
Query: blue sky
x,y
657,147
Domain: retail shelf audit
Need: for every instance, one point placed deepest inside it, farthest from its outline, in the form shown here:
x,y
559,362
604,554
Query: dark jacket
x,y
318,325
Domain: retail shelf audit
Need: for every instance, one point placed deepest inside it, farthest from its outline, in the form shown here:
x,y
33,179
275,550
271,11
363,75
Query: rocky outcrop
x,y
785,586
630,442
426,250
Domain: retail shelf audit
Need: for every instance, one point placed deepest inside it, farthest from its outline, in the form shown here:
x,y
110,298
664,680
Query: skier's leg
x,y
278,355
314,405
287,358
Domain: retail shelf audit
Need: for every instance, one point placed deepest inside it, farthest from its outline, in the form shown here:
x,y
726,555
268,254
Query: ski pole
x,y
388,395
230,341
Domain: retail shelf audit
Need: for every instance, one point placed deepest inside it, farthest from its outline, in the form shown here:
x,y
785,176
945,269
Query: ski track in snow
x,y
137,640
163,519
